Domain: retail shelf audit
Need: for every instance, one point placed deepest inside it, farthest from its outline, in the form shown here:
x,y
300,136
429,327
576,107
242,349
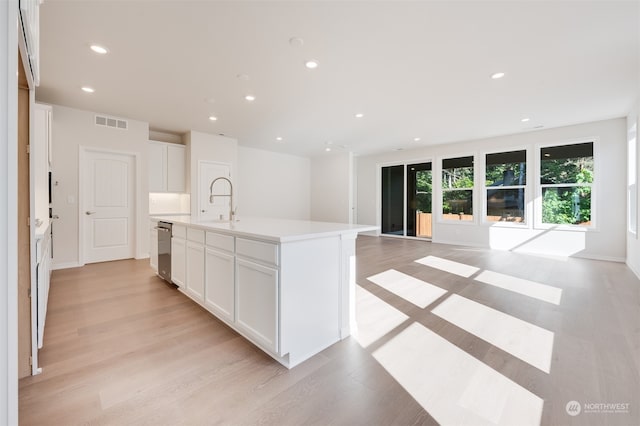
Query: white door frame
x,y
137,211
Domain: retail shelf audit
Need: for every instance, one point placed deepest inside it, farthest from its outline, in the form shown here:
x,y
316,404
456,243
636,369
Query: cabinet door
x,y
178,260
257,302
195,270
220,285
176,161
157,167
153,249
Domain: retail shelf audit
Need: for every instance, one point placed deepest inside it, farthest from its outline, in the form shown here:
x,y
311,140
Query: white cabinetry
x,y
220,275
176,162
257,302
257,293
153,245
43,274
195,264
179,255
287,287
167,167
40,153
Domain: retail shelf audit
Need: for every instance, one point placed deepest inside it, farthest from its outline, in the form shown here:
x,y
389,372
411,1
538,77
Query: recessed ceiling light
x,y
311,64
213,118
359,115
497,75
524,120
416,139
327,149
279,138
296,41
250,98
88,89
99,49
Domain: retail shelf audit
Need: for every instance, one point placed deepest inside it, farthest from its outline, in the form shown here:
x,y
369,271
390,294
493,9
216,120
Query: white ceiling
x,y
414,69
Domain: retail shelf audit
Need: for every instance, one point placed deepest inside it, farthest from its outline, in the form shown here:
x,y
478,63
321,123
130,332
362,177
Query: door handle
x,y
88,213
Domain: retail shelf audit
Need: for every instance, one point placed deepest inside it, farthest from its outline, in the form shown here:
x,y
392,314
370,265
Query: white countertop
x,y
278,230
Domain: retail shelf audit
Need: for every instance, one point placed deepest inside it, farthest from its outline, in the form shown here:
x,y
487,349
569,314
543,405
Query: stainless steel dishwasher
x,y
164,250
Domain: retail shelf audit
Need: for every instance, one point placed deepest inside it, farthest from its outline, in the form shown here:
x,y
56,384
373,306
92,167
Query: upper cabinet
x,y
40,164
167,167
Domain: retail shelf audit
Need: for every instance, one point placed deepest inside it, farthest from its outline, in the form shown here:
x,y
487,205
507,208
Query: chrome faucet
x,y
232,212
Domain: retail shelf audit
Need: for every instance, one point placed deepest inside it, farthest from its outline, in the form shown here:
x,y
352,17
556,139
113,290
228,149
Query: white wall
x,y
332,187
273,185
607,242
633,240
207,147
169,203
73,128
8,223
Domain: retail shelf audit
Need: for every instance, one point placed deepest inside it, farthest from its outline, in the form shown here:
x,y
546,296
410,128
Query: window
x,y
457,188
632,177
505,183
566,177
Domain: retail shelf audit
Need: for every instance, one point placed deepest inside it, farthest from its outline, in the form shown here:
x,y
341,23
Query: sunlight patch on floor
x,y
452,386
526,341
375,318
533,289
450,266
416,291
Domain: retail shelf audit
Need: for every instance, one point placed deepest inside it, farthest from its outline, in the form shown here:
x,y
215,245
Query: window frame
x,y
441,190
633,166
528,211
594,186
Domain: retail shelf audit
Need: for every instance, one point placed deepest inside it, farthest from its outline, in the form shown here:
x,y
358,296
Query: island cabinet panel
x,y
220,283
179,256
310,299
258,250
195,264
153,245
257,303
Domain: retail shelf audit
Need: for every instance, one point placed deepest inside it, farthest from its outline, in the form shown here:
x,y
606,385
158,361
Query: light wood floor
x,y
122,347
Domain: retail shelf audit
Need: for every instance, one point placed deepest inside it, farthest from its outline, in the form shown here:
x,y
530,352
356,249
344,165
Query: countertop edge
x,y
186,221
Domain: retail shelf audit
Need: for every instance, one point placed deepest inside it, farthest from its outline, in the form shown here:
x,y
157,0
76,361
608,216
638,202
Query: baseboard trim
x,y
635,271
66,265
461,244
604,258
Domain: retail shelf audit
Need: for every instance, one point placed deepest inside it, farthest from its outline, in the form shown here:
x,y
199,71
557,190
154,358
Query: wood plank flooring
x,y
122,347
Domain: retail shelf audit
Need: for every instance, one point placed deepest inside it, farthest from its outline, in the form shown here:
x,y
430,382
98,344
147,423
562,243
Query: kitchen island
x,y
286,285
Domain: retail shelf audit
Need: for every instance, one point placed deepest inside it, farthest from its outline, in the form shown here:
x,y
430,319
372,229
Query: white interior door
x,y
208,171
108,215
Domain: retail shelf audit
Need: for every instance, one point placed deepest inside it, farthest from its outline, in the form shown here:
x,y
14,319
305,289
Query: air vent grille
x,y
111,122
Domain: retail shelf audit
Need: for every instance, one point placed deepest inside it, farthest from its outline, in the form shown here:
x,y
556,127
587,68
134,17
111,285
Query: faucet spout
x,y
230,195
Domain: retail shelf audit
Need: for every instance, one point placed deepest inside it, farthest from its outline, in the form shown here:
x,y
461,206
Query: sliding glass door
x,y
406,200
419,200
392,200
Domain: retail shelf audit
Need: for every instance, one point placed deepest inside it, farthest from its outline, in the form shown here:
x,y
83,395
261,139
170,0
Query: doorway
x,y
406,193
108,214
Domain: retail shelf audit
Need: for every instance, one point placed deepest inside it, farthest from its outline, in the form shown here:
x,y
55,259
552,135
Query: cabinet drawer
x,y
179,231
195,235
222,242
259,250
